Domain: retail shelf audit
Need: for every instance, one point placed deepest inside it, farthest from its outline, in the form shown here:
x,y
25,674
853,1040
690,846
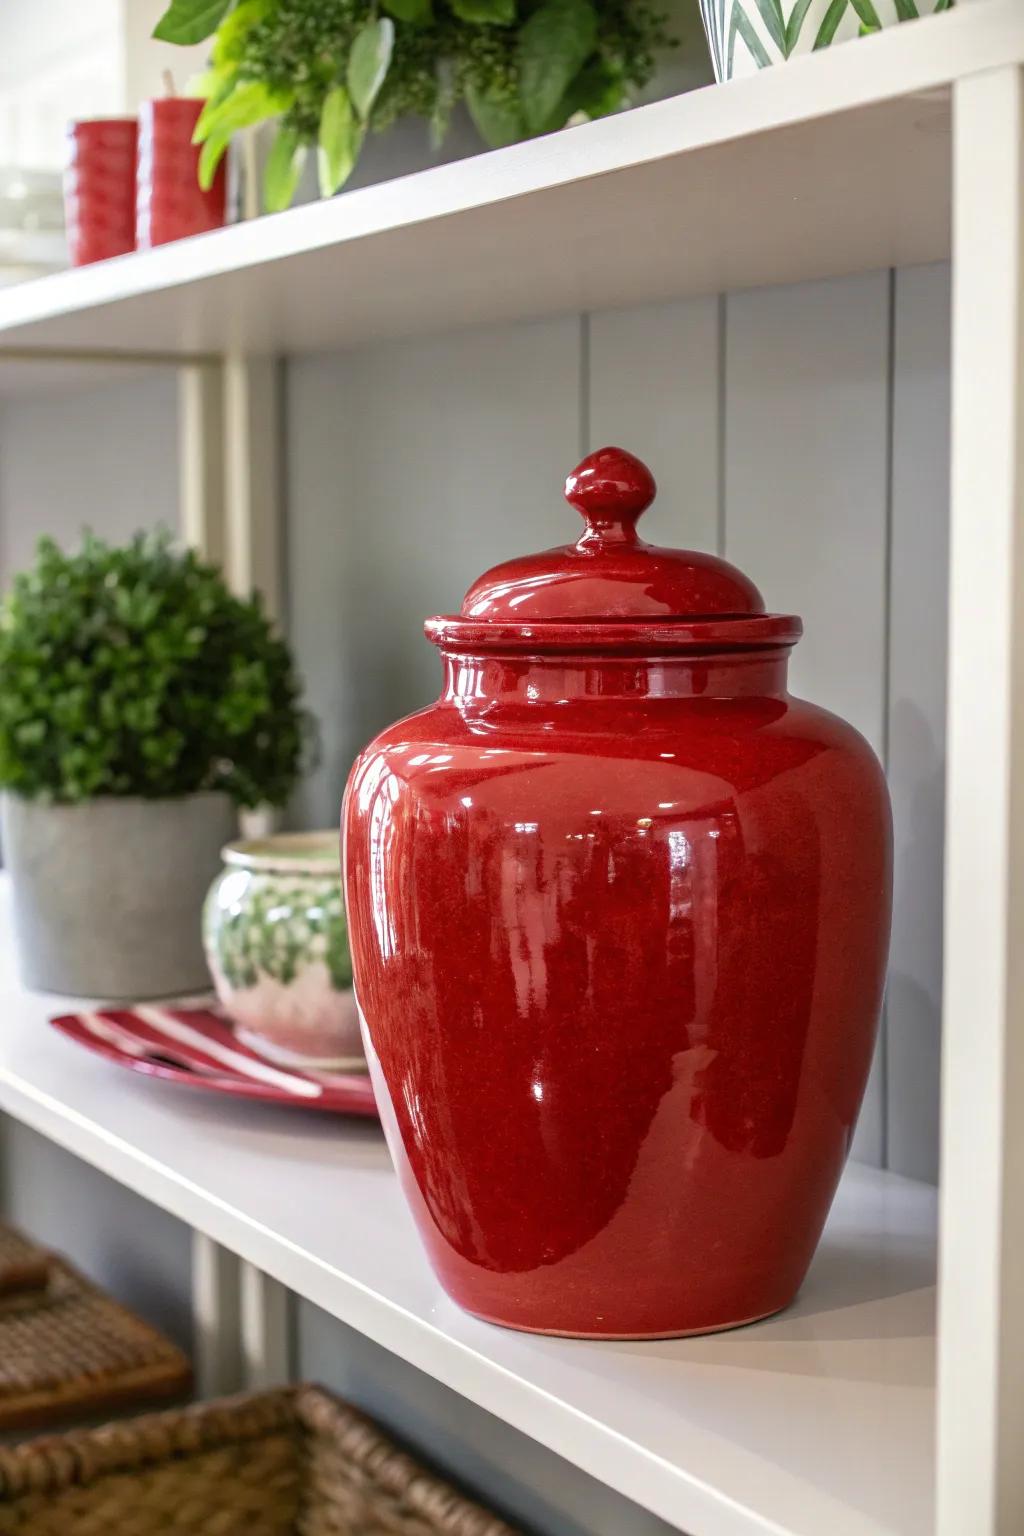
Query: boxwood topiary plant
x,y
134,671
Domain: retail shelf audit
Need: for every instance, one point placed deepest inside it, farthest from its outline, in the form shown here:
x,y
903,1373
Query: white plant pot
x,y
747,35
108,895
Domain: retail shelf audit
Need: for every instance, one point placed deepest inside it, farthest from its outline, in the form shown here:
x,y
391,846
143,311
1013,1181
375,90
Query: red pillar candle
x,y
171,203
99,188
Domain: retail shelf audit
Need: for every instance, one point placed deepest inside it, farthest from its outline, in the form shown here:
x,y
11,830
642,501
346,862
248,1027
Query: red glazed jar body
x,y
619,927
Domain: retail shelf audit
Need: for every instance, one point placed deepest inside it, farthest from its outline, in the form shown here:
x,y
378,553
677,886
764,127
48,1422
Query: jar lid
x,y
611,586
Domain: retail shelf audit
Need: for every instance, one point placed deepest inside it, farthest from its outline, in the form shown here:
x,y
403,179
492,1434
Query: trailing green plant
x,y
329,71
134,671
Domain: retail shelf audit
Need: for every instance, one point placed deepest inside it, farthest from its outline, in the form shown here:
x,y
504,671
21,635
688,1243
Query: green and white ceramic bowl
x,y
748,35
277,945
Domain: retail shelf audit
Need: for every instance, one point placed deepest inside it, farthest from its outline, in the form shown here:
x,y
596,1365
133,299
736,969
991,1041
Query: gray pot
x,y
108,895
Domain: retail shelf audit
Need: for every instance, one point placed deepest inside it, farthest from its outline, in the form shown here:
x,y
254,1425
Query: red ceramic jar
x,y
99,188
171,203
619,909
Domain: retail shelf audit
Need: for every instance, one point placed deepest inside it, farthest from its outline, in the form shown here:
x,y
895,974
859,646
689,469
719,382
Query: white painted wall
x,y
142,60
58,59
62,59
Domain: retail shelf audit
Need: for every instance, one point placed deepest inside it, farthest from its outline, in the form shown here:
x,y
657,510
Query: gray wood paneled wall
x,y
96,455
801,431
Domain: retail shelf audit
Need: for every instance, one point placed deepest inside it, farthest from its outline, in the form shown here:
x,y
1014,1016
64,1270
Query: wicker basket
x,y
288,1463
23,1265
68,1350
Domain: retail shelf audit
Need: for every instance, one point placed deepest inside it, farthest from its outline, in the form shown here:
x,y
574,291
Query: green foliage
x,y
329,70
502,12
368,63
339,140
417,11
283,169
553,47
190,21
134,671
225,115
497,117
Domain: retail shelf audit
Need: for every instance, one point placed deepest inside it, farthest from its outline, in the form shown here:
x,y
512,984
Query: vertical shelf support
x,y
981,1275
229,452
266,1329
242,1323
201,459
252,468
229,456
215,1318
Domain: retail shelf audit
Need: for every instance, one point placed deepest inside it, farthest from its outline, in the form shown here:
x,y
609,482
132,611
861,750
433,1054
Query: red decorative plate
x,y
196,1046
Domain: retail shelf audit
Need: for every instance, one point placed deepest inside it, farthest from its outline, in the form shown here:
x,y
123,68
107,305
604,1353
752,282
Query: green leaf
x,y
553,47
868,16
229,43
501,13
210,157
206,83
190,21
444,101
830,23
243,106
775,22
418,12
339,142
497,118
282,170
368,63
597,91
906,10
741,27
794,25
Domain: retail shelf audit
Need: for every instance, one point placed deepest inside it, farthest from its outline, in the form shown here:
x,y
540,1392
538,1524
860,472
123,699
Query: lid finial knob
x,y
610,488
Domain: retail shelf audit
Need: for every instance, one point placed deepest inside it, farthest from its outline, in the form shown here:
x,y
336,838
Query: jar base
x,y
631,1337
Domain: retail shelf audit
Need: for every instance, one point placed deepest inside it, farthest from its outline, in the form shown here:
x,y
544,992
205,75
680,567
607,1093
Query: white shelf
x,y
838,162
817,1421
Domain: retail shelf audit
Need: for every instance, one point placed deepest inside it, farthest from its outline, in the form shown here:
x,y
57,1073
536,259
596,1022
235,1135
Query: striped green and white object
x,y
748,35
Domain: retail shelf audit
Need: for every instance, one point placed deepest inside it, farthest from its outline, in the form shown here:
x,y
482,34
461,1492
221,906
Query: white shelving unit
x,y
762,1430
902,148
838,163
